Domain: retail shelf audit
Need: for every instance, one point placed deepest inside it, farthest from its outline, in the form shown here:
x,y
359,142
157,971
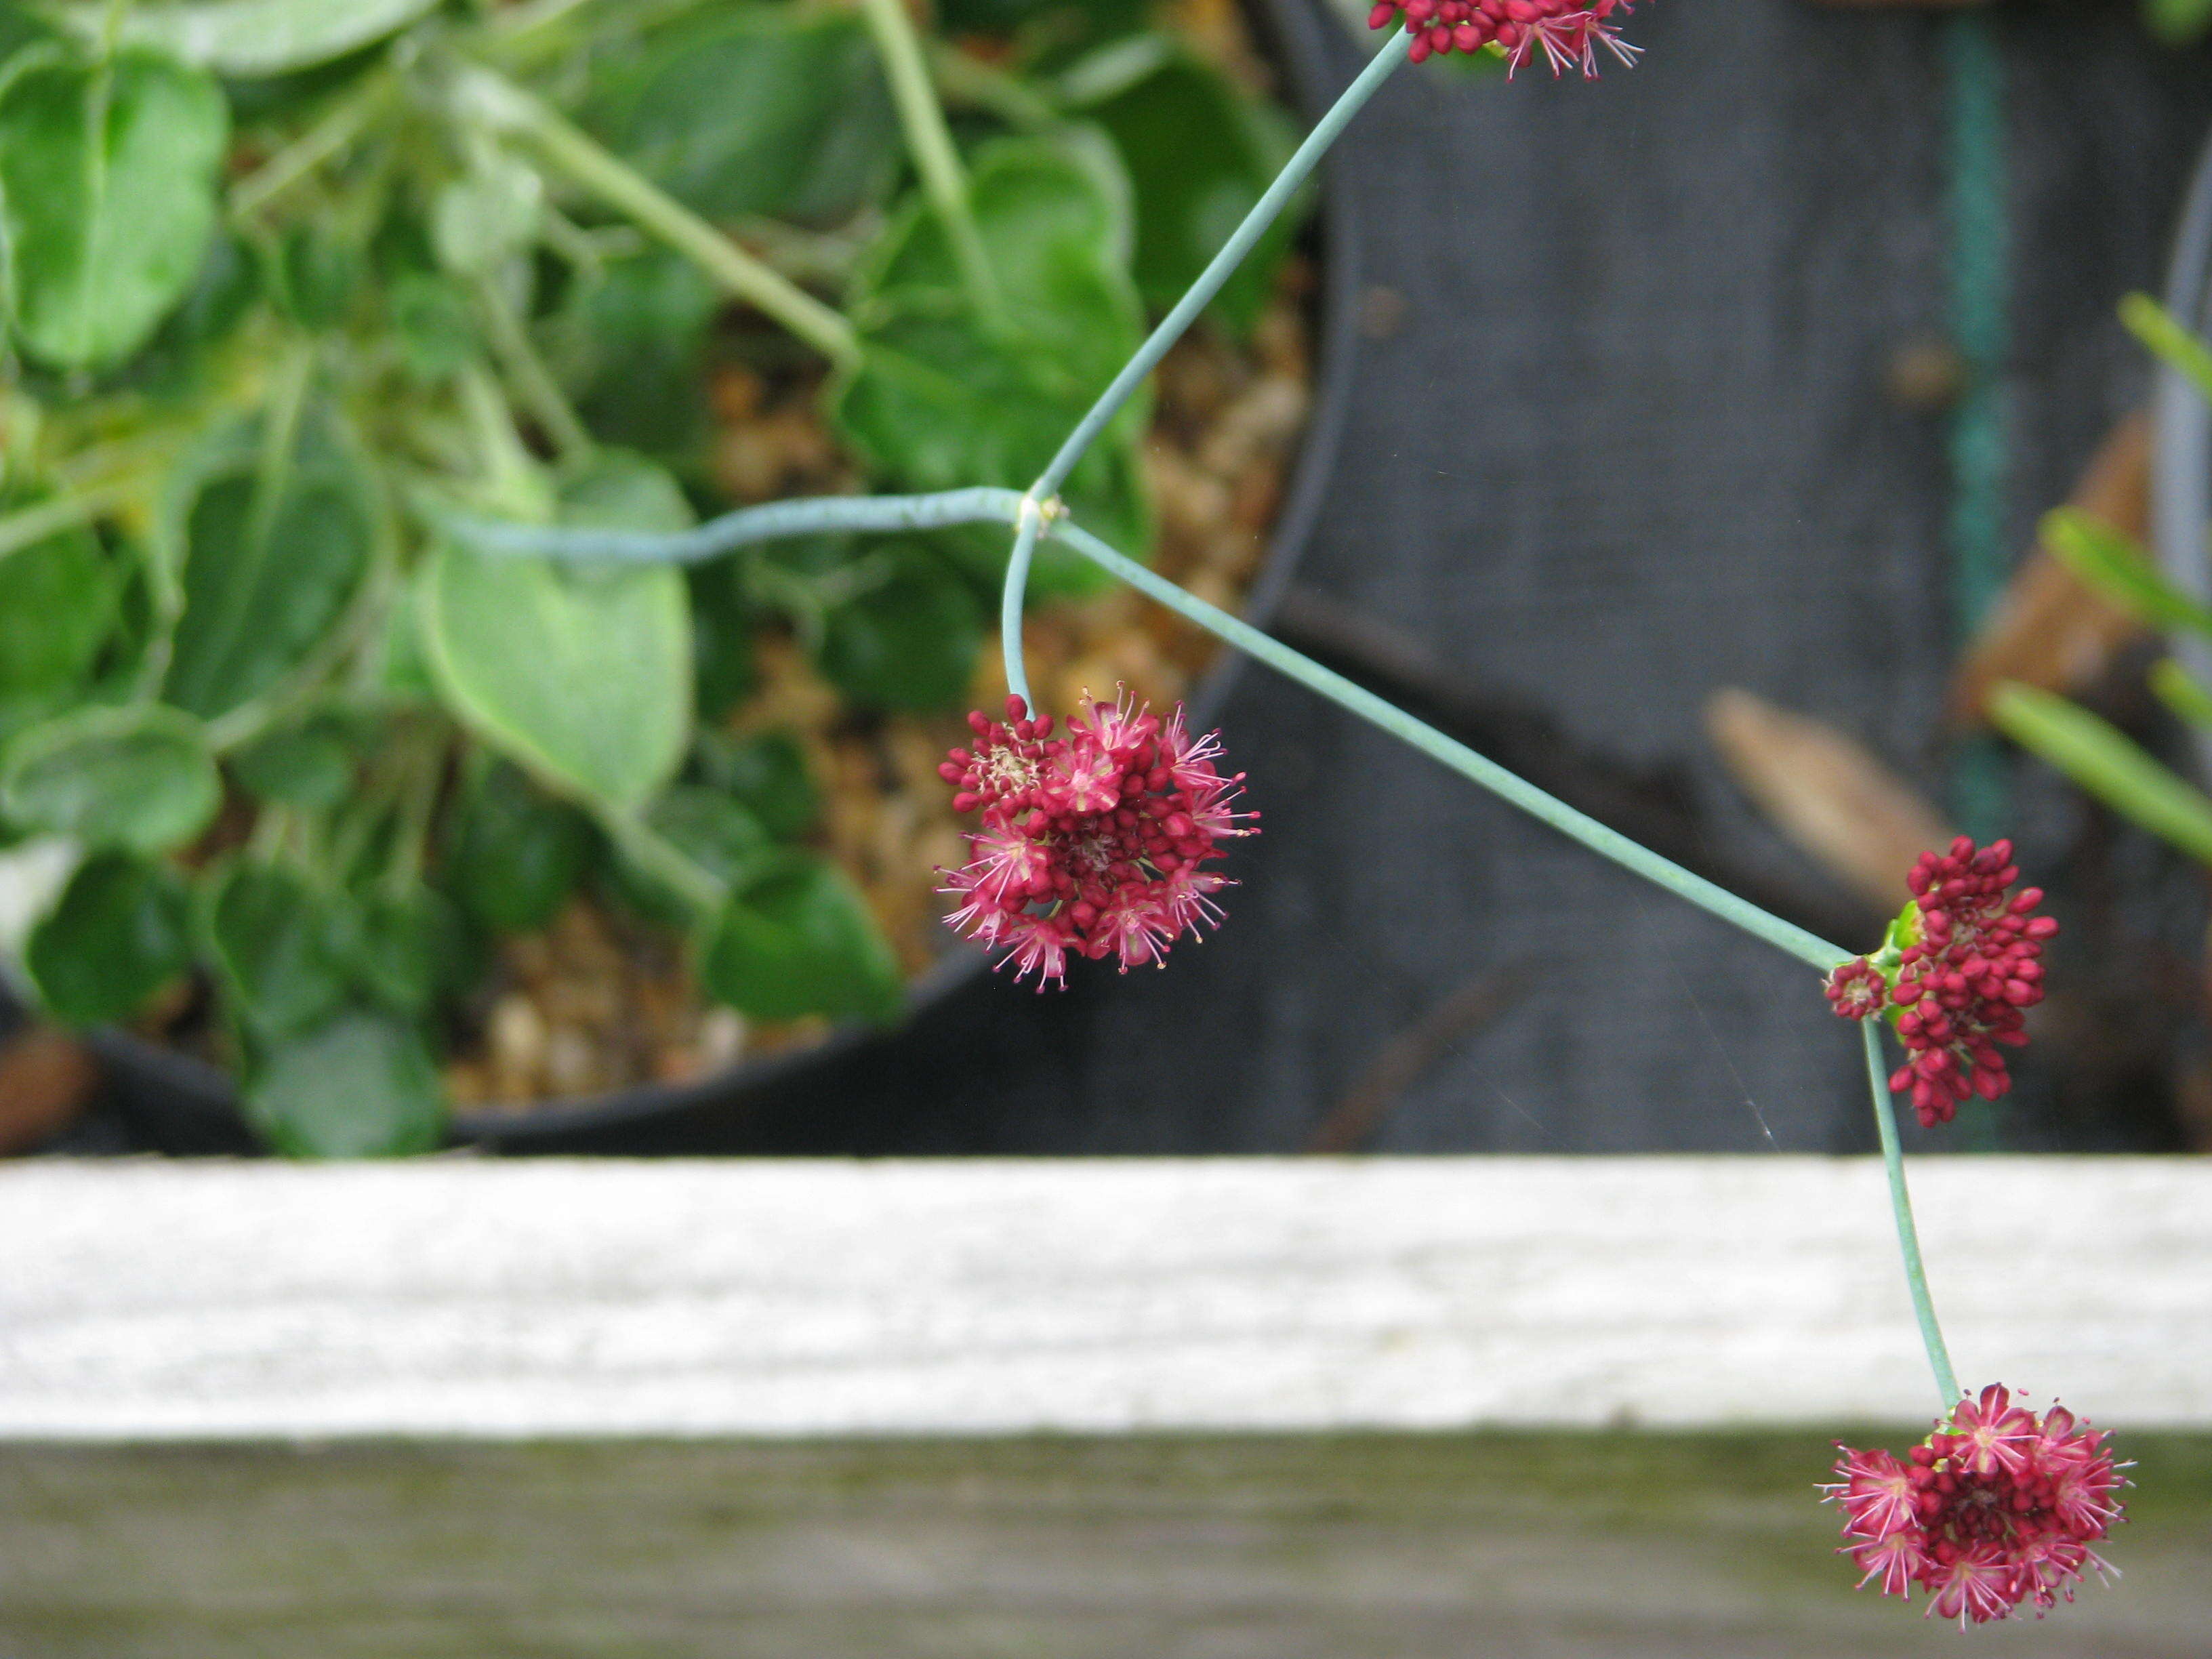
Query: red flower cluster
x,y
1996,1508
1569,32
1960,985
1092,842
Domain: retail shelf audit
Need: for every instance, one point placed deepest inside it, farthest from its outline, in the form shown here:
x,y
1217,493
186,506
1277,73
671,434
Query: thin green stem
x,y
660,858
923,119
1809,948
1276,197
1028,522
568,150
813,515
30,526
532,381
966,81
1900,1209
328,137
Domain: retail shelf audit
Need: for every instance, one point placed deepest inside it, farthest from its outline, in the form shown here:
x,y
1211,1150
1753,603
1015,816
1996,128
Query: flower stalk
x,y
922,119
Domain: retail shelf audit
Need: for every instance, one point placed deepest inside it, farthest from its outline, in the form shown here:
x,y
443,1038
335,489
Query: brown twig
x,y
1352,1121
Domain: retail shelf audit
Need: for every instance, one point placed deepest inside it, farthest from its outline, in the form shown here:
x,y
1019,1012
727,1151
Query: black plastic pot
x,y
181,1105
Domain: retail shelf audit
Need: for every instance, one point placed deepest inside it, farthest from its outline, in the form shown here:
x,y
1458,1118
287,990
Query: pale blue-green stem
x,y
1900,1209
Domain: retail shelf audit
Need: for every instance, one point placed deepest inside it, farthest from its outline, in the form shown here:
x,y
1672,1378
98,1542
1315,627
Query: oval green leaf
x,y
516,854
253,37
581,675
107,178
801,940
907,643
119,934
139,779
277,946
360,1085
269,556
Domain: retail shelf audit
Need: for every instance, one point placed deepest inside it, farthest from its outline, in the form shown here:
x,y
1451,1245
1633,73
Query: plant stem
x,y
922,119
1784,936
1027,526
325,139
809,516
30,526
1900,1209
823,514
569,150
533,382
1271,202
658,856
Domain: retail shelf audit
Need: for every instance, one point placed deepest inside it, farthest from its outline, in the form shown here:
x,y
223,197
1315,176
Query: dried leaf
x,y
46,1077
1856,818
2049,629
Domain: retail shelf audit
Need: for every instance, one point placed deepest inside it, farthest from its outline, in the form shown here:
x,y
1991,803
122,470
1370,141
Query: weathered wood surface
x,y
469,1297
1602,1546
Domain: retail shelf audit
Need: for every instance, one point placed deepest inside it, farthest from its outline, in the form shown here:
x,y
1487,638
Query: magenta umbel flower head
x,y
1957,969
1567,32
1998,1507
1092,843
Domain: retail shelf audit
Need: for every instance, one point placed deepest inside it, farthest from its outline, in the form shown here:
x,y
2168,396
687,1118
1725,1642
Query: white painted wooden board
x,y
471,1298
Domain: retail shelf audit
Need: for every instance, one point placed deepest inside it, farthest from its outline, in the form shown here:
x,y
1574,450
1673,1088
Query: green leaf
x,y
767,773
403,949
517,853
118,934
2158,329
107,179
617,489
1199,154
938,406
2117,566
269,550
711,830
910,643
434,324
140,779
486,218
715,831
800,940
1054,222
57,607
755,109
943,399
276,944
360,1085
581,674
2180,691
317,271
252,38
634,342
722,628
2107,764
311,766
